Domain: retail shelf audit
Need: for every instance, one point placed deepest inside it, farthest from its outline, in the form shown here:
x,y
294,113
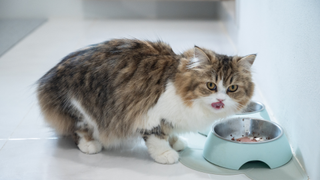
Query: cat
x,y
109,92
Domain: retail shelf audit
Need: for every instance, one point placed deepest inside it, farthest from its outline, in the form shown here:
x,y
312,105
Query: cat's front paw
x,y
89,147
167,157
160,150
180,144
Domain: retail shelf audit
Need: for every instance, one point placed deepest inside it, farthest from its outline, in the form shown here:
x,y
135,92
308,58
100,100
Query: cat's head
x,y
219,83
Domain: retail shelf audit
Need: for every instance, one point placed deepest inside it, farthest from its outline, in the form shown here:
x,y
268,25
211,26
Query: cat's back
x,y
116,51
111,57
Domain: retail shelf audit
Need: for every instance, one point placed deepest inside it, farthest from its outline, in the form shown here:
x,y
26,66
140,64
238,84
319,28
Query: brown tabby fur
x,y
118,81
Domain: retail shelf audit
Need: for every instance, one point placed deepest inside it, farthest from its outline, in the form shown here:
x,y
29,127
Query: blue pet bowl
x,y
223,149
254,109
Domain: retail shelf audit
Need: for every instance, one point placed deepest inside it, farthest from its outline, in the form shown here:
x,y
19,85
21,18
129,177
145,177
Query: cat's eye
x,y
211,86
233,88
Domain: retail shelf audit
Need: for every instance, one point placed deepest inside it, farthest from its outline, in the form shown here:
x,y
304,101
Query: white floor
x,y
30,150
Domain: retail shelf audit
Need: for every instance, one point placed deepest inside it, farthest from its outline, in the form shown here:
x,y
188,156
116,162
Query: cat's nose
x,y
220,100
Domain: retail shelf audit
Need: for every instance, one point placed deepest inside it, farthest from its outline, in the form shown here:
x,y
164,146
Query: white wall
x,y
40,8
286,36
127,9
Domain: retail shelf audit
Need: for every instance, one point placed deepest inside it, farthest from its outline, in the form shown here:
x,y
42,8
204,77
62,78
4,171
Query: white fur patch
x,y
87,119
115,142
180,144
89,147
222,91
160,150
194,62
171,107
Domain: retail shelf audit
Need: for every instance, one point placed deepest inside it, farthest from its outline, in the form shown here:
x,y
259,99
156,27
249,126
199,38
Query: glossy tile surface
x,y
30,150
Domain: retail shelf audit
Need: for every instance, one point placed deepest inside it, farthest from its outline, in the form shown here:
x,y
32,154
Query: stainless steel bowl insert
x,y
235,128
253,107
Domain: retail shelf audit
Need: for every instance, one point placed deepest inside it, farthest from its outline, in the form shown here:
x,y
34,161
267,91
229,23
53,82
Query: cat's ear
x,y
199,58
200,55
247,61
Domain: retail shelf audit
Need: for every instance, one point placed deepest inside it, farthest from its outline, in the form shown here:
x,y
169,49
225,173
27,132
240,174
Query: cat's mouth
x,y
217,105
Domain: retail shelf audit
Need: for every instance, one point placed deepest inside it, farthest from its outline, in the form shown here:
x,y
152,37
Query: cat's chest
x,y
171,108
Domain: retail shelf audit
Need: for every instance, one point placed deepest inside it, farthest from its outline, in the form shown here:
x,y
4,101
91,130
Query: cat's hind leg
x,y
68,117
70,122
86,131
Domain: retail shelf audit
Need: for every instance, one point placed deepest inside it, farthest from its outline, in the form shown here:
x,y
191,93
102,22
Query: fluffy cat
x,y
109,92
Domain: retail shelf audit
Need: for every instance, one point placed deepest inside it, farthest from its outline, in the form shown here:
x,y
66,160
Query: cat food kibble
x,y
248,139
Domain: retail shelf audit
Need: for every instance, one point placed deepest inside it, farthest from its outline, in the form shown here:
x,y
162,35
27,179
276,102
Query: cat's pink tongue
x,y
217,105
